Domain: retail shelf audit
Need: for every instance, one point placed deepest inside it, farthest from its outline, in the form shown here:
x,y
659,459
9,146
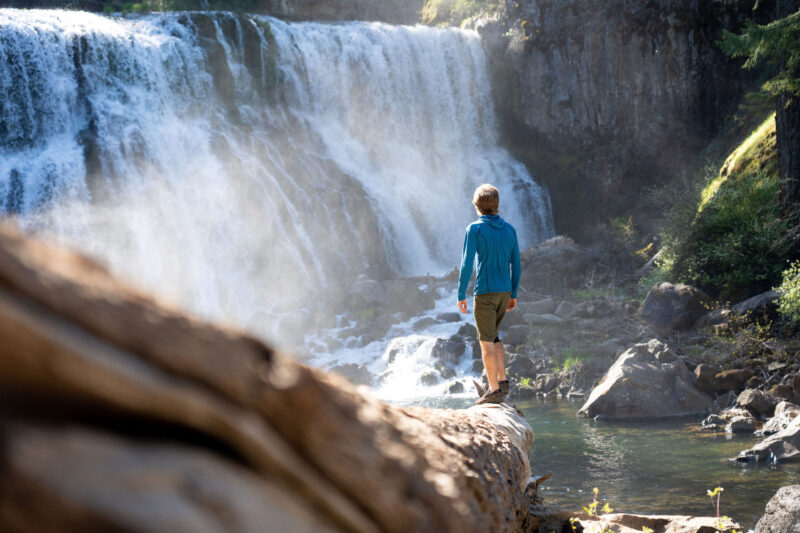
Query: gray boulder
x,y
355,374
782,514
704,377
516,335
520,366
448,351
785,412
741,424
783,446
669,306
542,320
757,402
448,317
765,303
539,307
646,381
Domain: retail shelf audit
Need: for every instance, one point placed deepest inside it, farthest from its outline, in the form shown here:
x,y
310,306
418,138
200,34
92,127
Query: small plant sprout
x,y
716,493
646,529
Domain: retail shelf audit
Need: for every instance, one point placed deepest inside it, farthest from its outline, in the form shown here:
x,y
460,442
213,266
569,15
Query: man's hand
x,y
512,304
462,306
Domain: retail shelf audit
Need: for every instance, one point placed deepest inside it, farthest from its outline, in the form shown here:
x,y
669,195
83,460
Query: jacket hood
x,y
494,221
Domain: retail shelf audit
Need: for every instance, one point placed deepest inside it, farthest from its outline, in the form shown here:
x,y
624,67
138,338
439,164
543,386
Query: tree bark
x,y
787,126
118,413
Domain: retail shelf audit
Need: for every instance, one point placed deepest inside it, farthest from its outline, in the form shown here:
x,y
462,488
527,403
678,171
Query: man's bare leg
x,y
500,356
490,364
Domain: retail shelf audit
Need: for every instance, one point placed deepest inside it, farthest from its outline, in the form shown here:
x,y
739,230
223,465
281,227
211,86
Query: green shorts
x,y
490,308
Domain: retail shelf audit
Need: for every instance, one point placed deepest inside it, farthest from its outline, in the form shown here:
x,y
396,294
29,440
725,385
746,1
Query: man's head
x,y
486,199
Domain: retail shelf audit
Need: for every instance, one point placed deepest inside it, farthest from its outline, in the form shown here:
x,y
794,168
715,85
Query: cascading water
x,y
238,165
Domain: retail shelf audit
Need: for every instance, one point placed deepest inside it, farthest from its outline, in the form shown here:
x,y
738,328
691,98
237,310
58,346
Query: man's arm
x,y
516,272
467,262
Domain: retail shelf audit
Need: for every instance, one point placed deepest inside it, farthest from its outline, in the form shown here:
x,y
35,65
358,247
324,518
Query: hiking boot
x,y
503,386
491,397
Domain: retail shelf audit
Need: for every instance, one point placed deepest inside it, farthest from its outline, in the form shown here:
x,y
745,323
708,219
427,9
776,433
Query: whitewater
x,y
243,167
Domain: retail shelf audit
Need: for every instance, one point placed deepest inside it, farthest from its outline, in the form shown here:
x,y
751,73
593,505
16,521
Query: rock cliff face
x,y
602,99
391,11
117,413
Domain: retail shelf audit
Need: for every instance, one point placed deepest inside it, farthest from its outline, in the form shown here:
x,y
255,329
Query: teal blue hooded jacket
x,y
495,242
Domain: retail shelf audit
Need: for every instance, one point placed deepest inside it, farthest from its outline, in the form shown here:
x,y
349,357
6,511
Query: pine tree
x,y
777,46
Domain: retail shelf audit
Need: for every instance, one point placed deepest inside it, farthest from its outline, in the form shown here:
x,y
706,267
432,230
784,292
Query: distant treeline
x,y
114,6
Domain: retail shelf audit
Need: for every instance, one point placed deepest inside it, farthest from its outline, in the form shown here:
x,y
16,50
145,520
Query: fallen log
x,y
121,413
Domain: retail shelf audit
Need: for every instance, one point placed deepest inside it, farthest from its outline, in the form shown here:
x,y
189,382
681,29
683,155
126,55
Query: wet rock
x,y
448,317
785,412
448,351
640,385
783,446
545,383
758,403
704,378
355,374
782,514
741,424
424,323
734,379
477,366
714,422
673,307
429,377
455,387
468,331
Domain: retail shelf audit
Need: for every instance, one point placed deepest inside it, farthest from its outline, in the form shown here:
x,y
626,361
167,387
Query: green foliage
x,y
789,302
733,244
455,12
777,45
526,382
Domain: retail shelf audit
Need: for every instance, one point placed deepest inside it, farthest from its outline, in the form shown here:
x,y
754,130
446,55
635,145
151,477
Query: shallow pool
x,y
643,467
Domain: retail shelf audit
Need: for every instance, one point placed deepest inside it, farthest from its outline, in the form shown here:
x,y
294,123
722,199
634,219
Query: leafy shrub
x,y
789,302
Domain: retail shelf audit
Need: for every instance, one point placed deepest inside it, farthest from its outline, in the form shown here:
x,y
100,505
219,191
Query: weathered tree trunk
x,y
787,127
121,414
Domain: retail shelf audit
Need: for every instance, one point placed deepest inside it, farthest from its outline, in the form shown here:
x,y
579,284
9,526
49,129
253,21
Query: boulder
x,y
704,378
556,266
545,383
673,307
765,303
168,422
455,387
448,317
783,446
783,392
734,379
782,514
646,381
516,335
757,402
741,424
565,309
448,351
539,307
785,412
355,374
542,320
429,377
520,366
468,331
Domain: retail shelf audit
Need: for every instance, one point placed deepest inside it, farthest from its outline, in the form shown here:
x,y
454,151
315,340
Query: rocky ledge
x,y
120,413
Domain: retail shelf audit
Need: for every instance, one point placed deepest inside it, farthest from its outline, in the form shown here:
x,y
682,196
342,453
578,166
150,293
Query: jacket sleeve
x,y
516,269
467,262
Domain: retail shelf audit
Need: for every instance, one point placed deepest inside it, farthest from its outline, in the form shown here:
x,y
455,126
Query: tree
x,y
777,46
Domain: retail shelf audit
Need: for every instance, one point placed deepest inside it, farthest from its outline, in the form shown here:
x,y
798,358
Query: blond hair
x,y
486,199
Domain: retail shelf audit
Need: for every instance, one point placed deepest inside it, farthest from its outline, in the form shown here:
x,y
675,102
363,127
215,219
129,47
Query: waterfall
x,y
236,165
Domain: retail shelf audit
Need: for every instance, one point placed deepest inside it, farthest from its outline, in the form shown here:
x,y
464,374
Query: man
x,y
496,283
